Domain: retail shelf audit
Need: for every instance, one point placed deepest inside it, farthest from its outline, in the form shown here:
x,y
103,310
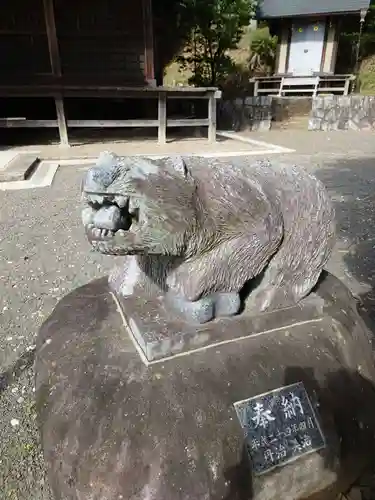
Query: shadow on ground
x,y
351,184
80,136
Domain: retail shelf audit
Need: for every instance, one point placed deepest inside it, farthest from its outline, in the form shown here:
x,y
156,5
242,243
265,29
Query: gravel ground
x,y
44,255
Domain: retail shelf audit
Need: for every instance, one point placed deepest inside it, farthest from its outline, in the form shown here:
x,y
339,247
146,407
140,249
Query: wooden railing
x,y
302,85
59,92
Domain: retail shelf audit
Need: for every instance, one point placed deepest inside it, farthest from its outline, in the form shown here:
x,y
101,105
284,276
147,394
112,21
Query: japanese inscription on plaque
x,y
279,426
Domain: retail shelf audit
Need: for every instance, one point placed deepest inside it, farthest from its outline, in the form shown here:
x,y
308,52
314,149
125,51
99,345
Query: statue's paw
x,y
226,304
200,311
176,282
184,282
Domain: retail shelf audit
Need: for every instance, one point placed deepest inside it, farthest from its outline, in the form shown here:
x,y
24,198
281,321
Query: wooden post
x,y
347,86
212,117
54,56
256,87
162,117
280,93
148,33
61,121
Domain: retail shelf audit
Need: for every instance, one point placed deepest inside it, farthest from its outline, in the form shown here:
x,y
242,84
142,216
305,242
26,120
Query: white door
x,y
306,48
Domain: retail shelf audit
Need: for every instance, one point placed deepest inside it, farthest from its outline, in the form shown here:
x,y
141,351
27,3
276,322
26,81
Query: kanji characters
x,y
291,406
262,416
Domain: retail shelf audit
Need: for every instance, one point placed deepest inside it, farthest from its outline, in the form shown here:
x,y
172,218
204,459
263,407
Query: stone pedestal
x,y
130,409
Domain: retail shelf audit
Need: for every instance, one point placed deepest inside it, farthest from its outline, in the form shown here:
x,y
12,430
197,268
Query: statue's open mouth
x,y
106,215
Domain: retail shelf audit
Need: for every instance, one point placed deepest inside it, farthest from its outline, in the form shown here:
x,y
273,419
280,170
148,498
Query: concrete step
x,y
19,168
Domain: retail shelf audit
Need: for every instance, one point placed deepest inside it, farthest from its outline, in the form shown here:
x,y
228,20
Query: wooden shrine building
x,y
59,50
308,38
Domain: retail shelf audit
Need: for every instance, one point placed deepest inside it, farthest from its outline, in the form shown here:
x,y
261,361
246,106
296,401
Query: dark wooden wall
x,y
23,40
99,41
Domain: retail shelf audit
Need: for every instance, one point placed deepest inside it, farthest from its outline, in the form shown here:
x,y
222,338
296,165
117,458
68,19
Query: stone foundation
x,y
247,113
262,112
284,108
353,112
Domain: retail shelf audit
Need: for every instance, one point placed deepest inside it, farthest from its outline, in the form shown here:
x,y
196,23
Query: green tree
x,y
356,50
367,42
217,28
355,42
263,48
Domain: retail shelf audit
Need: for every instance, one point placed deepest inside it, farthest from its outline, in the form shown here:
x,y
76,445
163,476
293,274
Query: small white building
x,y
308,32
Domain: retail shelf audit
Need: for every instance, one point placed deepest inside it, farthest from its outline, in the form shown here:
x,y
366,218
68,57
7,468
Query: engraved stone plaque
x,y
280,426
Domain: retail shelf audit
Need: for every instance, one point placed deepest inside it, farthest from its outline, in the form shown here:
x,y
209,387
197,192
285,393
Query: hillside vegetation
x,y
366,76
177,75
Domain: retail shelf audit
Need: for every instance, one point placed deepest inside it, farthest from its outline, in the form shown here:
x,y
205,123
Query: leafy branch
x,y
217,28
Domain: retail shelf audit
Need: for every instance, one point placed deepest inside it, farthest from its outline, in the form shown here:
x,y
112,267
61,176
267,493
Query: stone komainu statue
x,y
212,238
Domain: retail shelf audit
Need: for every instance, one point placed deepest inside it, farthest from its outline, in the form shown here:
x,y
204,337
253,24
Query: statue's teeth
x,y
121,232
87,216
97,233
96,198
121,201
133,205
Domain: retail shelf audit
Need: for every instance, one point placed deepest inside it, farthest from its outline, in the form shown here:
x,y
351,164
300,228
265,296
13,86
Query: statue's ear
x,y
180,166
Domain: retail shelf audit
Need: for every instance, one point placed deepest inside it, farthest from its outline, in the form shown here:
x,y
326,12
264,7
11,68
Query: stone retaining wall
x,y
251,113
258,113
354,112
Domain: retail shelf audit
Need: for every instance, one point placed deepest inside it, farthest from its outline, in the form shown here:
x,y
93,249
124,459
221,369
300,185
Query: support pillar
x,y
54,55
162,117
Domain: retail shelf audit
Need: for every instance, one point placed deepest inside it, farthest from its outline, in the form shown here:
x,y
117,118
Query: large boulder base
x,y
115,426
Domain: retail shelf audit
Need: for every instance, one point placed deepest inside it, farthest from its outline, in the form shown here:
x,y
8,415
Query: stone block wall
x,y
354,112
260,112
285,109
251,113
